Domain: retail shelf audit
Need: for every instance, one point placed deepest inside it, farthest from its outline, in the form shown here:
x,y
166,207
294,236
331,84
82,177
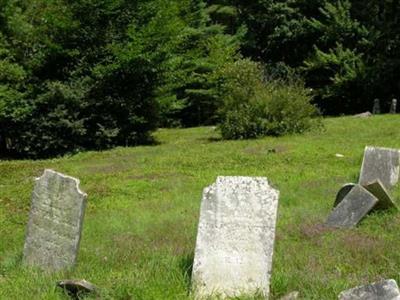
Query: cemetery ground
x,y
143,206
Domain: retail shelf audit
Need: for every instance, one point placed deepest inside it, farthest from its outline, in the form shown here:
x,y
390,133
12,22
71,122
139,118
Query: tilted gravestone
x,y
55,222
382,164
344,190
378,190
235,238
354,206
383,290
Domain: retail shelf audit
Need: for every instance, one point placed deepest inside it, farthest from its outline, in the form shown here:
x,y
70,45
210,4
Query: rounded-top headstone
x,y
55,222
235,238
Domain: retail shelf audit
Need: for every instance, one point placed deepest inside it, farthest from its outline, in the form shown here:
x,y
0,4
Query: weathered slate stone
x,y
344,190
377,189
76,288
383,290
355,205
382,164
235,238
55,222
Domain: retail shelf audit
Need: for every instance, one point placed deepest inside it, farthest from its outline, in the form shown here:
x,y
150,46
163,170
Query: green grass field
x,y
143,206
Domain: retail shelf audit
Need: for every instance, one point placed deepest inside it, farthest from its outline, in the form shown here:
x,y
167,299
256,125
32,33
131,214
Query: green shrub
x,y
252,107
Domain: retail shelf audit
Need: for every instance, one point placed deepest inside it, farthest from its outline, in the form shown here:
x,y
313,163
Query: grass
x,y
143,207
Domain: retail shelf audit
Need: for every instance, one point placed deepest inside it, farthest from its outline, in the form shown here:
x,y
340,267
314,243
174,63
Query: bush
x,y
252,107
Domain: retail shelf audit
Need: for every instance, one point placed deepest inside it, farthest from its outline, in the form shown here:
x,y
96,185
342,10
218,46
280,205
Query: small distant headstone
x,y
382,164
366,114
235,238
377,189
55,222
393,106
76,288
344,190
377,107
383,290
352,209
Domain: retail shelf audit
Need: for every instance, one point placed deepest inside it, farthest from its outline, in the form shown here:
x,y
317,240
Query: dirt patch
x,y
312,231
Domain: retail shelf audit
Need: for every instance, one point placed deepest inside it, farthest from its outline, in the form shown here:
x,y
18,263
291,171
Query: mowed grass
x,y
143,207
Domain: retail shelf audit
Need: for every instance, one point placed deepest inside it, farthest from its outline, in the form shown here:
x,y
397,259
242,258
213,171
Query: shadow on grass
x,y
186,266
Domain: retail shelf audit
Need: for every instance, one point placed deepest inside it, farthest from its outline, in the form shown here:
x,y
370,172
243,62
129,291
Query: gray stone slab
x,y
378,190
357,203
344,190
383,290
235,238
55,222
382,164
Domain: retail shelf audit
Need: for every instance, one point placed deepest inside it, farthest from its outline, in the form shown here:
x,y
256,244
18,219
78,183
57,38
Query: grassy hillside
x,y
143,206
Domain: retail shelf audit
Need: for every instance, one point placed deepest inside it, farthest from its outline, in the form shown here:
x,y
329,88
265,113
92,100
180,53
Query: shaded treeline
x,y
93,74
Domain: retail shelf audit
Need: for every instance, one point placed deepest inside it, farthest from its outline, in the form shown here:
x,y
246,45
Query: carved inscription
x,y
55,222
235,238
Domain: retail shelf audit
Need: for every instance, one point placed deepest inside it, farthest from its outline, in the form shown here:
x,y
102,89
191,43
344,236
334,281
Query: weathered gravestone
x,y
383,290
55,222
378,190
382,164
235,238
354,206
344,190
377,107
393,106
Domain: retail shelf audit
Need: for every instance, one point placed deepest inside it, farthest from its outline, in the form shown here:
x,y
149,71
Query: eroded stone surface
x,y
350,211
235,238
344,190
383,290
382,164
55,222
378,190
76,288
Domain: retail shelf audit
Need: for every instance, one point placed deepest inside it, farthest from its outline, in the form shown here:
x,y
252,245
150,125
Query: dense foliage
x,y
348,51
93,74
254,105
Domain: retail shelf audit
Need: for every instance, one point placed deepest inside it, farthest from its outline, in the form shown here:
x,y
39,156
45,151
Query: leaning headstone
x,y
377,107
352,209
55,222
393,106
383,290
382,164
377,189
344,190
235,238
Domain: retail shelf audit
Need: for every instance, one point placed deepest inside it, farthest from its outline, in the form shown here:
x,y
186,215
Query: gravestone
x,y
55,222
354,206
378,190
377,107
383,290
382,164
393,107
235,238
344,190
